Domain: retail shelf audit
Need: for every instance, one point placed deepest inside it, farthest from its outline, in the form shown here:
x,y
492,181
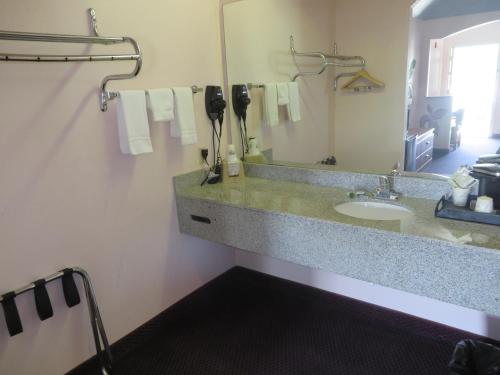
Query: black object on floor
x,y
475,357
245,322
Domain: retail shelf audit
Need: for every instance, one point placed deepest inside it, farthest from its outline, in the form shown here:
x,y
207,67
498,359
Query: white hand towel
x,y
294,105
271,104
133,126
283,95
161,104
184,125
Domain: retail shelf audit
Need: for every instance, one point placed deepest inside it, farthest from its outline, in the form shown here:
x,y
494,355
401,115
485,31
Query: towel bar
x,y
255,86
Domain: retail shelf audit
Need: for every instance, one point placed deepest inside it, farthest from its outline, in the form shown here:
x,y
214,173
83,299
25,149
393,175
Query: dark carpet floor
x,y
467,153
249,323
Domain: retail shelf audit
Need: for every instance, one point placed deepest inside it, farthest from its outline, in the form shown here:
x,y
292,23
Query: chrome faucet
x,y
386,188
396,172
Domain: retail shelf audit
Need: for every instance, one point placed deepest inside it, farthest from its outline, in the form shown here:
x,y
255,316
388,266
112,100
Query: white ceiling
x,y
430,9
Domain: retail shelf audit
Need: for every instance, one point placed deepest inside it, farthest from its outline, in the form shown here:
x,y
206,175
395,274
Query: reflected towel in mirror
x,y
283,95
294,105
271,104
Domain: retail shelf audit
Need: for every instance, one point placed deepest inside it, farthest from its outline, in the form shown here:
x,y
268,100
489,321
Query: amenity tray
x,y
447,210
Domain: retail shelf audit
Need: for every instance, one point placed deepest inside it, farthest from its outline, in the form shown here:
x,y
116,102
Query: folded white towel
x,y
161,104
184,125
283,95
133,126
271,104
294,105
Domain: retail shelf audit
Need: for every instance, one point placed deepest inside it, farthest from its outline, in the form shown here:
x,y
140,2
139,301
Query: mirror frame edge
x,y
225,74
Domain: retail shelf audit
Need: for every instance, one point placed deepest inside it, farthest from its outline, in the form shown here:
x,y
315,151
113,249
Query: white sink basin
x,y
373,210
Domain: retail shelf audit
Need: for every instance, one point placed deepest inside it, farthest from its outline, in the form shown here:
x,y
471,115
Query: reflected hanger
x,y
363,75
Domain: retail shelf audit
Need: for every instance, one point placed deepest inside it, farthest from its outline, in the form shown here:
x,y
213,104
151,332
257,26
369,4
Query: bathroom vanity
x,y
290,214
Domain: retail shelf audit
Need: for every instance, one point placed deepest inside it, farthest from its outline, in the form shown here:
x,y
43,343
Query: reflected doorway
x,y
473,85
454,100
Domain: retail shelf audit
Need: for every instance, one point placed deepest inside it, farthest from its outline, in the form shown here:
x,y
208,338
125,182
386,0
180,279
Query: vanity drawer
x,y
424,159
425,144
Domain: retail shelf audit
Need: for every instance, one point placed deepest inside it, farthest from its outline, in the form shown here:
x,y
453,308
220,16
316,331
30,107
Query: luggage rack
x,y
72,298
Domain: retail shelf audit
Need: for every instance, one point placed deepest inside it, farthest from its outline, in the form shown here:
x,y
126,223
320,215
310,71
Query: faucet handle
x,y
396,169
384,182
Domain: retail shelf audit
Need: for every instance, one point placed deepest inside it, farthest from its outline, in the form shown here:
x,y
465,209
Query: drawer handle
x,y
427,156
201,219
428,143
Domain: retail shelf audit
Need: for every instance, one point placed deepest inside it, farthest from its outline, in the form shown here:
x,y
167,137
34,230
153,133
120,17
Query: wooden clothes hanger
x,y
363,75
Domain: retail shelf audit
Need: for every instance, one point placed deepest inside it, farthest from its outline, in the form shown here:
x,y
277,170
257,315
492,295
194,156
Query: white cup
x,y
460,196
484,204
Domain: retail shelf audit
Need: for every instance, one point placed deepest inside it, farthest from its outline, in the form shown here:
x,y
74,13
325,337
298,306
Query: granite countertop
x,y
319,202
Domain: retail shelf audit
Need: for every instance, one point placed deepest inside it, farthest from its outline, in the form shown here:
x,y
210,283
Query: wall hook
x,y
93,21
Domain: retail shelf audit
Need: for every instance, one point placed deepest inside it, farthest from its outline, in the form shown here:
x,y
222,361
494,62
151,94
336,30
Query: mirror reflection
x,y
321,83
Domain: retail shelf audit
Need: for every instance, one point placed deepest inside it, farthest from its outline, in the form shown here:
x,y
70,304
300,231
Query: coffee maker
x,y
487,171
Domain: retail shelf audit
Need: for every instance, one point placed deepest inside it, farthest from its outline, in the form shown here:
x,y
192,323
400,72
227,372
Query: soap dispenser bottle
x,y
254,155
233,163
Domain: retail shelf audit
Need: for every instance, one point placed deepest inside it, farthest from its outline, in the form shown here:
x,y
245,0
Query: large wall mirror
x,y
401,81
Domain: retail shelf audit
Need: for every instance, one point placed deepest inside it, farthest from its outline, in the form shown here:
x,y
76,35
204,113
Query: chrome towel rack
x,y
327,60
105,95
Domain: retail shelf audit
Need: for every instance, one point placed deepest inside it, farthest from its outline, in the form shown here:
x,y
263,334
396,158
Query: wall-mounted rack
x,y
95,39
195,89
335,60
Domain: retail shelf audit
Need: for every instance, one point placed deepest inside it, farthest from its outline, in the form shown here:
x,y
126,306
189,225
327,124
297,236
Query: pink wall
x,y
69,197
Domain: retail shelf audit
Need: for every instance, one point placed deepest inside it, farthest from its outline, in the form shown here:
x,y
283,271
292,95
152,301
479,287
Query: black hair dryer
x,y
215,103
215,106
241,101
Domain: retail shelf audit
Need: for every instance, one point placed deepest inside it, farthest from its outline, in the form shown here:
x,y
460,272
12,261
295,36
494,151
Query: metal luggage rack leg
x,y
100,339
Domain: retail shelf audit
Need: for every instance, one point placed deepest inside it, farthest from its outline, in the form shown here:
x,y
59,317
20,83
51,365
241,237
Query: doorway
x,y
473,84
